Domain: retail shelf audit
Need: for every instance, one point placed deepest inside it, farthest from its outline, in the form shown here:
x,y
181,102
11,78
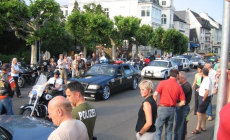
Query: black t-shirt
x,y
45,64
81,64
187,88
141,115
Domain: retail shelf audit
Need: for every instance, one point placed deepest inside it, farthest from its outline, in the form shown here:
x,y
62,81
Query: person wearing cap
x,y
7,86
56,81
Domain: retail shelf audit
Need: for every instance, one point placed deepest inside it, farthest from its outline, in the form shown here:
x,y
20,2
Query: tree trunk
x,y
85,51
34,53
137,51
113,49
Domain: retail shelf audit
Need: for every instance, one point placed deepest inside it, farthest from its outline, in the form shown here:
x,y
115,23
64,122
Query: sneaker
x,y
209,118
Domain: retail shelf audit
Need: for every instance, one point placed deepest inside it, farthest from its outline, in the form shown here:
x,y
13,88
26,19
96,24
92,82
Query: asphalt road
x,y
117,116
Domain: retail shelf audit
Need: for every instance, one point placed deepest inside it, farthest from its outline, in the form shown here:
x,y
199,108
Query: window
x,y
163,19
127,70
148,13
163,2
107,12
142,13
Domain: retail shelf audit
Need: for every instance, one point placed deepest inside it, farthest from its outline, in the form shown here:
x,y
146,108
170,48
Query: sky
x,y
214,8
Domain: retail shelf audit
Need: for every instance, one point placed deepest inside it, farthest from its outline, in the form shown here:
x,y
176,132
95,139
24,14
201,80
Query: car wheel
x,y
21,82
166,76
106,93
134,84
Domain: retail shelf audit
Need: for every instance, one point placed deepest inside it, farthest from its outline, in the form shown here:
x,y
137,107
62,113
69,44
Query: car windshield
x,y
101,70
177,60
195,59
159,64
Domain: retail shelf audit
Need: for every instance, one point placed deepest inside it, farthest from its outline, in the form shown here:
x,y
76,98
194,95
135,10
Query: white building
x,y
216,34
202,28
167,13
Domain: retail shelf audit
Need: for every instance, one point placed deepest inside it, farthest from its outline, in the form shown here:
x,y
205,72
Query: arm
x,y
182,98
194,83
181,103
148,117
155,95
205,95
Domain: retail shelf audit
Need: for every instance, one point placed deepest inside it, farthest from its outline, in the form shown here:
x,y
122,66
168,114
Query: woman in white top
x,y
15,73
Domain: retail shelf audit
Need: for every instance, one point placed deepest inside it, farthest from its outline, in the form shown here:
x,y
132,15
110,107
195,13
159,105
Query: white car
x,y
182,63
158,69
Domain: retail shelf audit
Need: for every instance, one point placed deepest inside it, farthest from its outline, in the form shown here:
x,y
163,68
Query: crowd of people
x,y
173,107
74,113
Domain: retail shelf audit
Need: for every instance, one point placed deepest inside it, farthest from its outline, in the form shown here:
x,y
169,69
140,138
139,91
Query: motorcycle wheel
x,y
21,82
26,112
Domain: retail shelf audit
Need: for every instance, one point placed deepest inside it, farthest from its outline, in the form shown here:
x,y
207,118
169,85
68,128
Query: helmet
x,y
57,72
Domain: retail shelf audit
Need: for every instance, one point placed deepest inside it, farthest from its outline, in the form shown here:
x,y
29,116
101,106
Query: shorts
x,y
63,74
203,105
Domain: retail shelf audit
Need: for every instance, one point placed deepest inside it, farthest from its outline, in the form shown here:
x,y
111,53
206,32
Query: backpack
x,y
5,88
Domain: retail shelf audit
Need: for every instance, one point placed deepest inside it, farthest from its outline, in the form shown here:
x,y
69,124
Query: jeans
x,y
165,117
209,110
180,122
18,92
7,104
196,100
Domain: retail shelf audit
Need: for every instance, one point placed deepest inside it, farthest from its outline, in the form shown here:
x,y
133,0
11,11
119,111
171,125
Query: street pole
x,y
222,89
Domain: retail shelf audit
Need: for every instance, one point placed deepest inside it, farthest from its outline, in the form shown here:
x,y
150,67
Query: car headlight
x,y
93,87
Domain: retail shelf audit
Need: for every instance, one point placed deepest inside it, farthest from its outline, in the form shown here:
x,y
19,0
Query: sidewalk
x,y
207,135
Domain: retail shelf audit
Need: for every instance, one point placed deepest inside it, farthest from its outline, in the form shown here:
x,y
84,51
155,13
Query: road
x,y
117,116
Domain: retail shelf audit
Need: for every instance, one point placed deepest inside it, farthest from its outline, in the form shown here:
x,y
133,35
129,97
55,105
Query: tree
x,y
157,38
127,28
90,28
174,41
26,21
143,35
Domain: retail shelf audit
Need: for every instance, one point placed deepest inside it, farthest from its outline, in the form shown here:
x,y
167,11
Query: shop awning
x,y
194,45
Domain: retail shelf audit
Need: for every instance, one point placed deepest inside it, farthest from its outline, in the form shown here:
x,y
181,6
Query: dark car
x,y
15,127
103,79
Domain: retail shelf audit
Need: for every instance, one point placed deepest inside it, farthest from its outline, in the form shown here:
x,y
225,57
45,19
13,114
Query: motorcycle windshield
x,y
41,80
40,85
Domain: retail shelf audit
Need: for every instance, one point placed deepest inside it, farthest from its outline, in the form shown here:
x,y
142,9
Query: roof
x,y
204,23
154,1
180,16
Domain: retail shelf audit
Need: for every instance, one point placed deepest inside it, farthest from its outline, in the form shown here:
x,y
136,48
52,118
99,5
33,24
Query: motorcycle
x,y
27,75
39,98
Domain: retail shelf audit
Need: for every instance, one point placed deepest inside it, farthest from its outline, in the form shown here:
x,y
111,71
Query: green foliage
x,y
93,8
144,34
157,38
90,28
127,27
175,42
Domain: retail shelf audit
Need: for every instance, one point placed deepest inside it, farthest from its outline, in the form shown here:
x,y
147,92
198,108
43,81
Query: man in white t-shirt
x,y
60,110
56,83
61,65
212,76
204,100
